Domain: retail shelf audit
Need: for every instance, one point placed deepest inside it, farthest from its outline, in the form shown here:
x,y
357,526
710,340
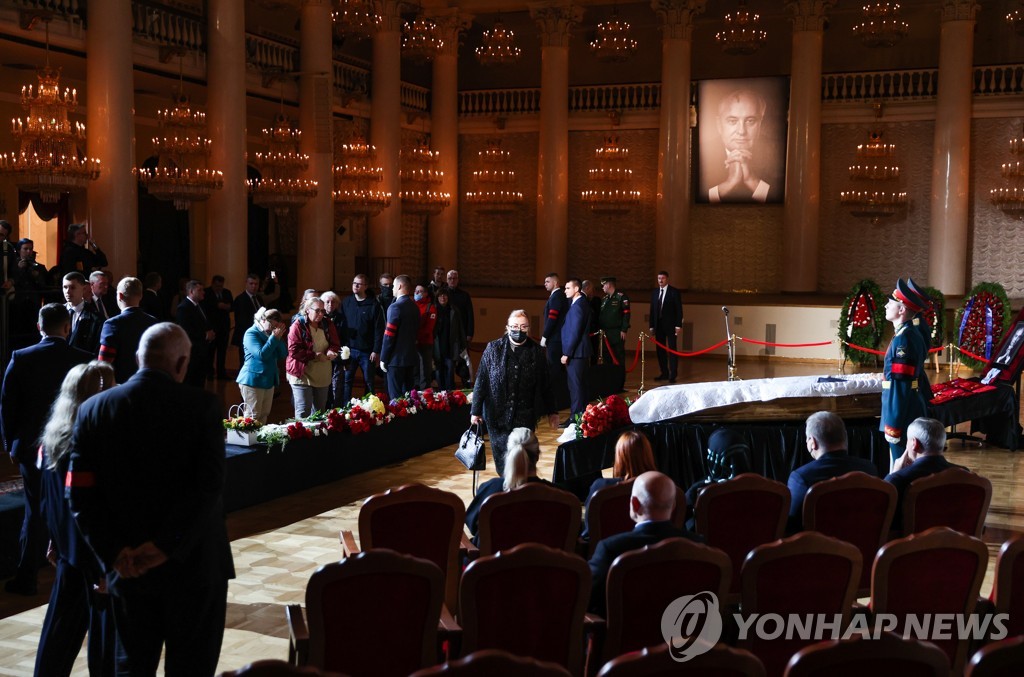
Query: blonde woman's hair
x,y
523,454
81,383
270,314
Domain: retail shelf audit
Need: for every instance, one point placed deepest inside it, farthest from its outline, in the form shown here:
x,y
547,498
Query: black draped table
x,y
994,413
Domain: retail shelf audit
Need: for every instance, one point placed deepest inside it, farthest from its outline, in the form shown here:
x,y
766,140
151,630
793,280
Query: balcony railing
x,y
59,7
644,96
168,27
270,55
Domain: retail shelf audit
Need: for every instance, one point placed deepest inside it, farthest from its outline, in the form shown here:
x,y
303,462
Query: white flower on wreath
x,y
411,409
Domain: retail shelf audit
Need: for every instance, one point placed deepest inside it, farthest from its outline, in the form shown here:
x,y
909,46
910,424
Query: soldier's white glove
x,y
383,368
543,341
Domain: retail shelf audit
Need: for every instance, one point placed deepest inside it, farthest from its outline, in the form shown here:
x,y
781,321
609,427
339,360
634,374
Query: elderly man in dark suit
x,y
666,325
192,318
146,485
827,445
575,346
31,383
121,334
926,440
651,504
398,354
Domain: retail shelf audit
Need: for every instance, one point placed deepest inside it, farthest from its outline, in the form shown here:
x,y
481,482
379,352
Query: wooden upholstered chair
x,y
855,508
933,572
1004,658
888,655
1008,589
374,613
740,514
529,600
493,663
953,498
416,520
656,661
807,574
532,513
608,514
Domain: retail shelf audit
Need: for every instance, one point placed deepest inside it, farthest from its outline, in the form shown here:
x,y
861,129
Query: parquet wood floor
x,y
277,545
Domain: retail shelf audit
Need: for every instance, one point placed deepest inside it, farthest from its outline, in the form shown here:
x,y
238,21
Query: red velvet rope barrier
x,y
693,354
785,345
936,350
611,353
971,355
863,349
636,357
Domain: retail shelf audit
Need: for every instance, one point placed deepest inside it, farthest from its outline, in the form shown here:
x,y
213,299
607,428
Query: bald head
x,y
165,347
653,498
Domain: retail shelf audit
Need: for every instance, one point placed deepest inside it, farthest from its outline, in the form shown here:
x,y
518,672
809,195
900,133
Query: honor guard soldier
x,y
613,319
902,399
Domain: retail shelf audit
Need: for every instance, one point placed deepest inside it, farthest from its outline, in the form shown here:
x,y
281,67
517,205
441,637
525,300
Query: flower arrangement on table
x,y
242,424
610,414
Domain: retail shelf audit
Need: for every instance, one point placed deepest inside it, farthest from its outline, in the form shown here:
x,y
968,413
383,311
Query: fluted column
x,y
443,229
110,103
672,224
315,269
386,130
803,157
227,233
555,24
948,245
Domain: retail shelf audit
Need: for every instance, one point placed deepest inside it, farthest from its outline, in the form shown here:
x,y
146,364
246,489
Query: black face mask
x,y
517,336
385,290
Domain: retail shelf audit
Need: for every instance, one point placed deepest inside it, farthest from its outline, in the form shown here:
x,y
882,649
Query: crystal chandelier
x,y
499,47
742,34
1010,199
354,179
882,25
614,41
875,177
496,182
180,174
280,187
50,160
1016,21
421,39
420,177
354,18
611,180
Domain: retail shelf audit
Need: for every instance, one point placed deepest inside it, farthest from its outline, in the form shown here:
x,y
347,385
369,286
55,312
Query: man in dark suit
x,y
244,307
926,440
666,325
85,323
80,253
398,356
192,318
651,504
152,304
31,383
103,302
575,346
551,337
121,333
217,305
827,445
146,485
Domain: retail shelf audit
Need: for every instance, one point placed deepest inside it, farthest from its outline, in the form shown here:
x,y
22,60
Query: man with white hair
x,y
146,487
926,440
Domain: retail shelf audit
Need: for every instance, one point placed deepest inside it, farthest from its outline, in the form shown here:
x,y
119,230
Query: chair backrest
x,y
493,663
740,514
608,513
421,521
528,600
532,513
656,661
856,508
938,571
807,574
953,498
888,654
374,613
1008,589
1004,658
642,583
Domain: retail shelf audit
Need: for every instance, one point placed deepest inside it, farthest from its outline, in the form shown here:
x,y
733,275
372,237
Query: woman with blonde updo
x,y
264,344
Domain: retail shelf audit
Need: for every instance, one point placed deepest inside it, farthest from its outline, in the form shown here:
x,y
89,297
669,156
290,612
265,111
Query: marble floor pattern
x,y
277,545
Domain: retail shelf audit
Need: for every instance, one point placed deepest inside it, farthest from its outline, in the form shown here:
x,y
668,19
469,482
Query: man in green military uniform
x,y
614,320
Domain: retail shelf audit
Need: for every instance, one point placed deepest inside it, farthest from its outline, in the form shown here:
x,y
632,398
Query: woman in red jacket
x,y
425,336
312,345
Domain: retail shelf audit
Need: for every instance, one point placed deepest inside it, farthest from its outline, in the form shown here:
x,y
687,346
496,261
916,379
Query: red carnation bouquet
x,y
359,420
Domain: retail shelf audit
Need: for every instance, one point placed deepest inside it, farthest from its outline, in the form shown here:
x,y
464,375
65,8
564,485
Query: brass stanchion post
x,y
640,390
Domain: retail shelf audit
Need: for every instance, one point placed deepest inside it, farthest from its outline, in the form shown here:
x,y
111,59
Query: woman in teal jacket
x,y
264,344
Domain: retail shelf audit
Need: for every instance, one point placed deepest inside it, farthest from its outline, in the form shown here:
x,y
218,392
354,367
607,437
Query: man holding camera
x,y
80,253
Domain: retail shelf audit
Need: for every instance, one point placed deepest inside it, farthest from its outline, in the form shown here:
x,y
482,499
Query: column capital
x,y
959,10
677,17
450,24
555,22
390,13
809,15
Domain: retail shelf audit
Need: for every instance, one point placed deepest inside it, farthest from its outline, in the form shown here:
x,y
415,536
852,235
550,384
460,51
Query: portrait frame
x,y
767,166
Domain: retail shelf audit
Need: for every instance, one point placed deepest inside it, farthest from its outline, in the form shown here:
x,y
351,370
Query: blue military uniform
x,y
902,399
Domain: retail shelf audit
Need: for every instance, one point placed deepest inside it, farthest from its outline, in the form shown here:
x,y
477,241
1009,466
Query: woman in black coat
x,y
512,389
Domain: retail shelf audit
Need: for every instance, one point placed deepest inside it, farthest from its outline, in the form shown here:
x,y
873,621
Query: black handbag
x,y
471,451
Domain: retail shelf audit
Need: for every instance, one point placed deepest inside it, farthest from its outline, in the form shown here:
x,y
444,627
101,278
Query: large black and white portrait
x,y
742,139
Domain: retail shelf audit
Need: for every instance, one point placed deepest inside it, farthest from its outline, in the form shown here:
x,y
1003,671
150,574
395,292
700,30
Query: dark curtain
x,y
163,240
259,233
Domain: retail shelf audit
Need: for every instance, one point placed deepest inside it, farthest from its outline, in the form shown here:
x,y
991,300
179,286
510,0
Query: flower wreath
x,y
936,316
981,322
861,321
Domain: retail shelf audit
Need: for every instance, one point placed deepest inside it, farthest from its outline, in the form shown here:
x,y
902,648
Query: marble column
x,y
672,225
385,233
555,24
803,156
443,229
315,267
110,125
227,233
949,244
